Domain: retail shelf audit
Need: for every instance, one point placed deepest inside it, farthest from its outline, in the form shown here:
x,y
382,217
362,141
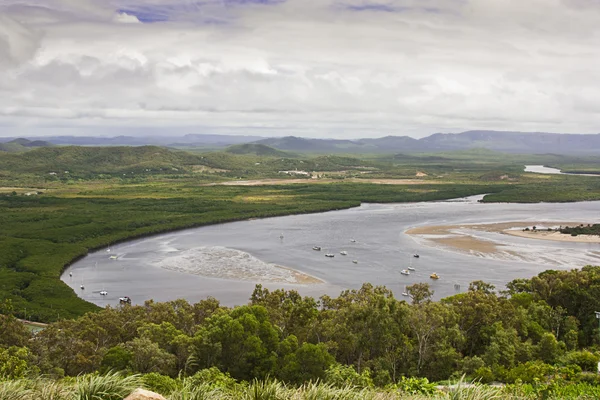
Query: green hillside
x,y
99,160
21,145
257,149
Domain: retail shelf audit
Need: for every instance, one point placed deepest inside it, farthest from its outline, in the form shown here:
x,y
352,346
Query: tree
x,y
242,342
419,292
308,363
147,356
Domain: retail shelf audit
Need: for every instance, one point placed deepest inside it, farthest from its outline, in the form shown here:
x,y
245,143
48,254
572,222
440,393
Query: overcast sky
x,y
313,68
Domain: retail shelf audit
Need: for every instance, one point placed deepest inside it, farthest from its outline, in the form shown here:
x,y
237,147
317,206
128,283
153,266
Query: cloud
x,y
125,18
310,67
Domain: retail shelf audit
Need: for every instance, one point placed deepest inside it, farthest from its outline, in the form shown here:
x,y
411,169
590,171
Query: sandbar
x,y
458,238
227,263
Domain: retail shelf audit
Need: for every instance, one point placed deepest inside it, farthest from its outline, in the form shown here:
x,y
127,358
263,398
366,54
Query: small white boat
x,y
317,248
355,261
70,274
113,257
82,287
405,292
352,241
330,255
405,272
103,292
411,268
344,253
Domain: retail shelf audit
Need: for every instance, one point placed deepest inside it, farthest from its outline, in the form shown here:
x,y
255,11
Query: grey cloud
x,y
305,67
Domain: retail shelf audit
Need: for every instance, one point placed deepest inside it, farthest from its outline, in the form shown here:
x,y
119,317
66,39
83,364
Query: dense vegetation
x,y
581,230
542,332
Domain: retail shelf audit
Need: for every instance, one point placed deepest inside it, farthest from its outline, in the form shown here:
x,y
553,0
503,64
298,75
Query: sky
x,y
311,68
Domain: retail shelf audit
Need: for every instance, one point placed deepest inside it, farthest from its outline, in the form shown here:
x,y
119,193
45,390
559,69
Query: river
x,y
540,169
150,268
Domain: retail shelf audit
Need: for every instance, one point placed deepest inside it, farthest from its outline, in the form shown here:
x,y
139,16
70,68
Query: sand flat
x,y
456,237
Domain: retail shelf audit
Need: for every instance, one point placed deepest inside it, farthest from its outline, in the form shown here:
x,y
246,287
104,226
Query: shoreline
x,y
510,228
457,237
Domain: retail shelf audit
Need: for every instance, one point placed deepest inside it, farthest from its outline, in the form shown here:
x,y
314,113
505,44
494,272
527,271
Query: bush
x,y
111,386
212,377
587,360
531,371
162,384
484,374
415,385
343,375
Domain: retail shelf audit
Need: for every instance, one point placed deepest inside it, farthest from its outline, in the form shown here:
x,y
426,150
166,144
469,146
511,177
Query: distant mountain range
x,y
509,142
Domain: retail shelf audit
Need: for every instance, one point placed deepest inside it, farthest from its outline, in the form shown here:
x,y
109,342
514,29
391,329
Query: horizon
x,y
183,135
339,69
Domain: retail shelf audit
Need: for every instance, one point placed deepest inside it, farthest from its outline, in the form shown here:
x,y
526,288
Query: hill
x,y
293,143
21,145
257,149
99,160
508,142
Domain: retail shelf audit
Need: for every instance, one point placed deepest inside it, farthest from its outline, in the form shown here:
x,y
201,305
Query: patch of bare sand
x,y
456,240
456,237
469,243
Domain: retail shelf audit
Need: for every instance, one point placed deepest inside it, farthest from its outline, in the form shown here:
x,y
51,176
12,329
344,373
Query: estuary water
x,y
226,261
540,169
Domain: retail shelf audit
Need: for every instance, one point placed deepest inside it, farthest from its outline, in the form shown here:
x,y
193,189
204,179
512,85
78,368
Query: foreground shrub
x,y
345,375
162,384
111,386
415,385
14,390
212,377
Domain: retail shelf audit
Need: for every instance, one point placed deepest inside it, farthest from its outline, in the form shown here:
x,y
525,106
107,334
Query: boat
x,y
434,276
70,274
317,248
103,292
330,255
411,268
344,253
124,300
352,241
355,261
416,255
405,272
113,257
281,236
405,293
